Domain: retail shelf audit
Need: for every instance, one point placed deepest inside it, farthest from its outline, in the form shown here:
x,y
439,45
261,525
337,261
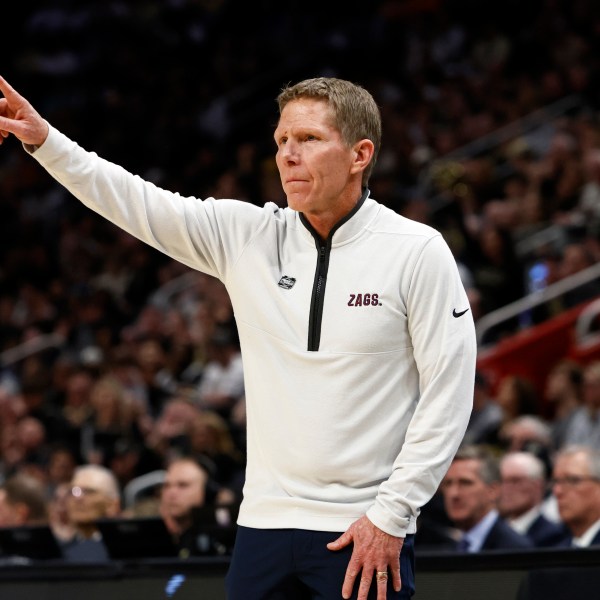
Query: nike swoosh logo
x,y
459,314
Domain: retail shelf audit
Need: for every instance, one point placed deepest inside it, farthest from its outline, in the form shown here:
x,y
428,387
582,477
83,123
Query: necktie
x,y
463,545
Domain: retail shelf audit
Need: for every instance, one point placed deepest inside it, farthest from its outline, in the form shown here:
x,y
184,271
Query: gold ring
x,y
381,576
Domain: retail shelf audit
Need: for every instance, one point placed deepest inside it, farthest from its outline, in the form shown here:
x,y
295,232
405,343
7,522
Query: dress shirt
x,y
585,540
476,535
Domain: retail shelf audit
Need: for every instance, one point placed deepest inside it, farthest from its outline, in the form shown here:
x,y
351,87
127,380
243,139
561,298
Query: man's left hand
x,y
374,552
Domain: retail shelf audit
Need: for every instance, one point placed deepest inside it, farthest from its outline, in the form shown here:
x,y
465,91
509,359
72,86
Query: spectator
x,y
212,444
528,433
170,433
22,501
115,416
589,197
76,408
522,494
471,489
576,485
151,359
94,495
577,258
563,394
584,426
486,416
516,396
61,466
222,382
186,489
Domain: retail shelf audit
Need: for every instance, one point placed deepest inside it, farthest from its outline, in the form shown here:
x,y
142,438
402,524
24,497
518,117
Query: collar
x,y
583,541
348,226
476,535
523,522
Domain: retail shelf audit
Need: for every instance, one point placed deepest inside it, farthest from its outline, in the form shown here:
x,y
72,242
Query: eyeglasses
x,y
572,480
79,492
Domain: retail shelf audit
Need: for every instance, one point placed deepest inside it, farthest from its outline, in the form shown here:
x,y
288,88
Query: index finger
x,y
7,90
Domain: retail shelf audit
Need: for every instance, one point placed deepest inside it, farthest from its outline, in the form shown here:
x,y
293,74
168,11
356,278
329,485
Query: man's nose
x,y
289,151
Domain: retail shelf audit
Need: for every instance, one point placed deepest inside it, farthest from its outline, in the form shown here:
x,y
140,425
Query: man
x,y
94,495
522,494
184,490
486,416
584,425
357,341
471,489
22,501
576,485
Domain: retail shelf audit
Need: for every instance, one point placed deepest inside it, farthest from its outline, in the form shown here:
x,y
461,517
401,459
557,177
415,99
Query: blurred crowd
x,y
116,357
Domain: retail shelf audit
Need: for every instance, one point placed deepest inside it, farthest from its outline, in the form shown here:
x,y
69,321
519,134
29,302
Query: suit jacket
x,y
568,542
92,550
545,533
503,537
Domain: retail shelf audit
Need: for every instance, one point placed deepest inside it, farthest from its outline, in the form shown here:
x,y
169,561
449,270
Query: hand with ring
x,y
374,555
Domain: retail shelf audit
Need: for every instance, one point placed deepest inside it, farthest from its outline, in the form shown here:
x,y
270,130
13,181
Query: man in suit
x,y
522,491
576,485
471,489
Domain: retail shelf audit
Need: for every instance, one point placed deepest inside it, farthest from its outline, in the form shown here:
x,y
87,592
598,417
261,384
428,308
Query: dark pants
x,y
295,564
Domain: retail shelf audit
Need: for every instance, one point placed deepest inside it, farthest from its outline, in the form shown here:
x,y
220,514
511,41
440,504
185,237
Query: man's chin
x,y
297,202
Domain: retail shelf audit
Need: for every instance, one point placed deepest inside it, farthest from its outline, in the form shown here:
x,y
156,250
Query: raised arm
x,y
18,117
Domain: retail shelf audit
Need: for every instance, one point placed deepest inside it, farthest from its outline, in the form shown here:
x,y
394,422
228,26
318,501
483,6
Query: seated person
x,y
186,490
522,494
94,495
576,485
471,489
22,501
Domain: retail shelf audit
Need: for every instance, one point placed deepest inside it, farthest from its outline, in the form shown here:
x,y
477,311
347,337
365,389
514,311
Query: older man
x,y
576,485
522,492
94,495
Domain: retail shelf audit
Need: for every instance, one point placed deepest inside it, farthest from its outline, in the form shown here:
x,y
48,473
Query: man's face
x,y
518,491
467,497
577,494
183,489
87,501
314,163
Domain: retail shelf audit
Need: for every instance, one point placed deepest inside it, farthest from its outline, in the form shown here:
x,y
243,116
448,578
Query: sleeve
x,y
443,336
207,235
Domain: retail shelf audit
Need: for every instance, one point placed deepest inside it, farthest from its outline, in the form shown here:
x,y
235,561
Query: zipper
x,y
318,296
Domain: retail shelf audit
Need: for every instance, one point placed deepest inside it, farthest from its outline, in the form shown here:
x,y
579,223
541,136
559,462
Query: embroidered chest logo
x,y
364,300
287,283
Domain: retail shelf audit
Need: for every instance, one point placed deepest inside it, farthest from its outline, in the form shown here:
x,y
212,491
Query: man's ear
x,y
363,154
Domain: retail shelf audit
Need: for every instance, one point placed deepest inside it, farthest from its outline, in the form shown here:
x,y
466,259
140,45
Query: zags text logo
x,y
364,300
